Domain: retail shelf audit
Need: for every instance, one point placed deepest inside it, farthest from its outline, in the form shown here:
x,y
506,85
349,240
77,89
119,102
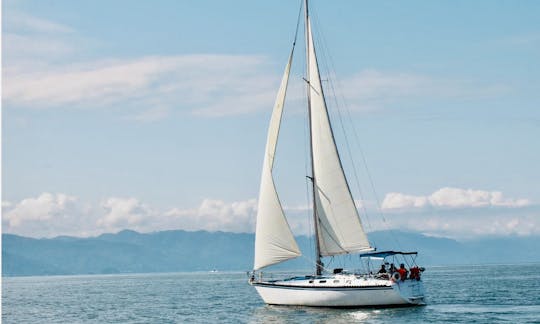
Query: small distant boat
x,y
337,226
213,271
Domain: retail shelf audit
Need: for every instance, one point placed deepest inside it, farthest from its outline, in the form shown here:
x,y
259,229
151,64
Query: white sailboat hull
x,y
364,293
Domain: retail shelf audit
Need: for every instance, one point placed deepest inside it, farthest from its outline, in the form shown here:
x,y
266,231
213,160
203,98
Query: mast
x,y
318,262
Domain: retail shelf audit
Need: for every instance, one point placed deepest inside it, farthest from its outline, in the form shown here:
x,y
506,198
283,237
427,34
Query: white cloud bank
x,y
43,208
451,198
449,212
461,213
51,215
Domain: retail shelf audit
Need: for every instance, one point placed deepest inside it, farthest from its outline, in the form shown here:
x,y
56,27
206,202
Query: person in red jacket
x,y
415,273
402,271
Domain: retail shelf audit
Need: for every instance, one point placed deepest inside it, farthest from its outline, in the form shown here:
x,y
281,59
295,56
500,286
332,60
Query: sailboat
x,y
338,229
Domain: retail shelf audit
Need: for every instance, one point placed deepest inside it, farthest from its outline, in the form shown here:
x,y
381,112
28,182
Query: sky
x,y
153,115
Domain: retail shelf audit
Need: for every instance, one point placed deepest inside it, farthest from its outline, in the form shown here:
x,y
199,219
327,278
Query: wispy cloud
x,y
35,41
370,89
18,48
42,72
210,85
23,22
204,85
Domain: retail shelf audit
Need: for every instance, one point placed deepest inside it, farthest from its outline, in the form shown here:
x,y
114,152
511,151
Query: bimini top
x,y
384,254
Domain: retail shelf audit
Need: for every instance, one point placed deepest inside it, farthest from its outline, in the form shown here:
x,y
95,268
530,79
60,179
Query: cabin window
x,y
336,281
311,281
322,281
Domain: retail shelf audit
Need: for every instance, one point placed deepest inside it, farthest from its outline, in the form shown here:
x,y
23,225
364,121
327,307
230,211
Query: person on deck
x,y
402,271
392,268
382,274
415,273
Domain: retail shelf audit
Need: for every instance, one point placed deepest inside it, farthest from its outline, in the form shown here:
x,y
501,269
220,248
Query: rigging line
x,y
349,153
326,52
377,200
331,77
298,21
313,262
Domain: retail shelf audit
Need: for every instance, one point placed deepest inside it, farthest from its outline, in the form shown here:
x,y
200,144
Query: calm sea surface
x,y
479,294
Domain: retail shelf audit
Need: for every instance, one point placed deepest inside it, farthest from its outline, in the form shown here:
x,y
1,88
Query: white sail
x,y
274,241
339,228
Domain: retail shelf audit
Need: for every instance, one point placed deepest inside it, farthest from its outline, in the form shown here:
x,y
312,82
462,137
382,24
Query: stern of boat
x,y
411,291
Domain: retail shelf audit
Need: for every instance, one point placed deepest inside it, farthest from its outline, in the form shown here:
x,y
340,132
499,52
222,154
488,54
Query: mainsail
x,y
338,225
274,241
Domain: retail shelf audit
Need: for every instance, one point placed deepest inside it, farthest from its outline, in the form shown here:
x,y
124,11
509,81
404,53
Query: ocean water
x,y
461,294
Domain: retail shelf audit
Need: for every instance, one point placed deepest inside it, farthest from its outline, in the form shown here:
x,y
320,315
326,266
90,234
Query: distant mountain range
x,y
172,251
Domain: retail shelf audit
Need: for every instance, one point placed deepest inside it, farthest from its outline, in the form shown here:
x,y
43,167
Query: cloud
x,y
35,41
460,213
489,213
208,85
23,22
45,207
18,47
42,72
451,198
373,84
49,215
122,213
216,215
468,223
371,89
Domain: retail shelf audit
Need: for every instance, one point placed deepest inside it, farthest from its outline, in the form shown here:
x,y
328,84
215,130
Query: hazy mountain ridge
x,y
170,251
